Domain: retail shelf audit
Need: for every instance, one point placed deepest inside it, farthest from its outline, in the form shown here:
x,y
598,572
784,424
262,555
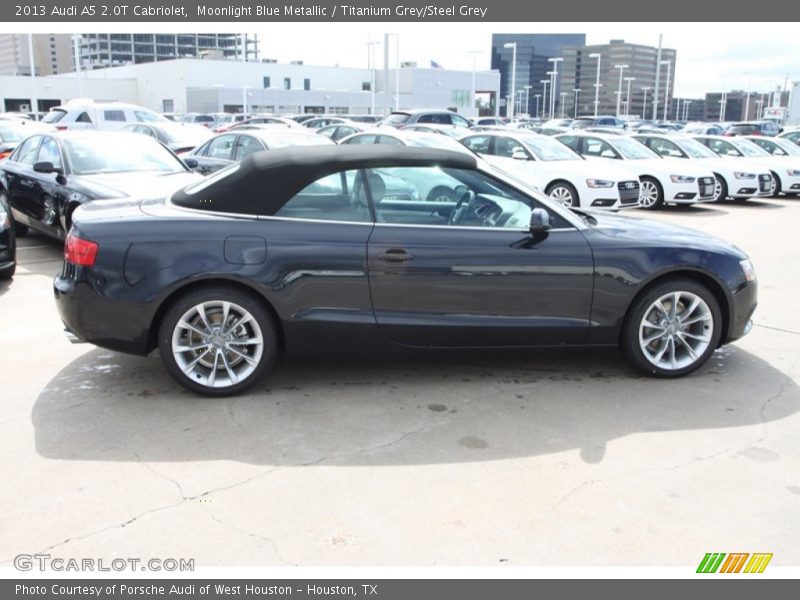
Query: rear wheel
x,y
7,272
218,341
564,193
651,196
672,329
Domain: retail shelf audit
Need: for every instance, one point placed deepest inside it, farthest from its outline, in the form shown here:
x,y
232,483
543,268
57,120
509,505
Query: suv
x,y
602,121
105,116
400,118
753,128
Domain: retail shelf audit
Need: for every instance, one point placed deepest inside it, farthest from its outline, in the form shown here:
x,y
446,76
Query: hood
x,y
120,185
647,232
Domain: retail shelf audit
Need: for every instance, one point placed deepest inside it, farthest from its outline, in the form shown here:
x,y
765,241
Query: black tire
x,y
778,187
250,303
723,194
659,198
8,272
629,339
441,193
567,190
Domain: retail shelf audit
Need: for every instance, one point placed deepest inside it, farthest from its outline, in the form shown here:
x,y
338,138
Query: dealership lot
x,y
546,458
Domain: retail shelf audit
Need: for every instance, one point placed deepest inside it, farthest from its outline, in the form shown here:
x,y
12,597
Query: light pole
x,y
628,97
678,107
371,66
527,99
619,92
552,104
474,91
759,104
544,82
747,101
537,96
563,95
644,102
723,101
34,99
577,91
243,39
555,60
686,105
513,46
76,50
518,104
666,88
598,56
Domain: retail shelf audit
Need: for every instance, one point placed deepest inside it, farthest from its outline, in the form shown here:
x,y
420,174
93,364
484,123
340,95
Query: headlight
x,y
748,270
793,173
742,175
681,179
599,183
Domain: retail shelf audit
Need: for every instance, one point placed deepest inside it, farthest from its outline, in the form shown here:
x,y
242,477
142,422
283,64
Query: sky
x,y
711,56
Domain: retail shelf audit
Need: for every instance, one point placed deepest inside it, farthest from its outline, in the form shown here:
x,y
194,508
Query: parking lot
x,y
545,458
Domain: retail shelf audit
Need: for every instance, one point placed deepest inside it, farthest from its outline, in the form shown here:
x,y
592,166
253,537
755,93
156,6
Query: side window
x,y
666,148
437,118
83,118
598,147
246,146
362,139
26,154
459,121
447,197
221,147
49,152
114,115
723,148
338,197
571,141
144,117
508,148
389,140
478,143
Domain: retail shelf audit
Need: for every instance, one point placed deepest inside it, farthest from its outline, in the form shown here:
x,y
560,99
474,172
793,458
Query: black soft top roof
x,y
266,180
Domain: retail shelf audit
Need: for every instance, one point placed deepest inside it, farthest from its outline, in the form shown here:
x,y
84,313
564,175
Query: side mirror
x,y
47,167
732,153
675,154
191,163
519,154
607,154
540,221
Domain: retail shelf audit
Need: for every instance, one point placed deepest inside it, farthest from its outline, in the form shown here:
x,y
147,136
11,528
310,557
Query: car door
x,y
50,201
441,276
215,154
21,181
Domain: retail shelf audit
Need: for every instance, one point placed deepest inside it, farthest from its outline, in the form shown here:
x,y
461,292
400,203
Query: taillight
x,y
61,127
80,252
5,154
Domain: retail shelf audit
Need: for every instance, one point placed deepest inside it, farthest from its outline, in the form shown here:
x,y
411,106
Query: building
x,y
101,50
738,107
533,53
688,109
621,66
52,54
194,85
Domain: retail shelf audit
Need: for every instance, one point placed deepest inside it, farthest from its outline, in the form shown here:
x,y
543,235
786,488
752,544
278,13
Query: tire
x,y
776,185
720,188
20,230
441,193
564,193
235,365
8,272
651,195
666,355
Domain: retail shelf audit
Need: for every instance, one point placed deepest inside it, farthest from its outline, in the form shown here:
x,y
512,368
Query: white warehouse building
x,y
196,85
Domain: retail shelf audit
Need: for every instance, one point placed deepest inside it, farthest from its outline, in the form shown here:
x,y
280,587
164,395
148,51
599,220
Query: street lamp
x,y
474,55
76,40
678,112
563,95
577,91
537,96
628,97
666,88
544,82
598,56
644,102
555,60
723,101
527,98
512,45
686,104
552,104
747,101
371,66
619,93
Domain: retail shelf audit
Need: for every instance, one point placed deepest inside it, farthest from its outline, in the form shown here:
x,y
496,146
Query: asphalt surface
x,y
533,458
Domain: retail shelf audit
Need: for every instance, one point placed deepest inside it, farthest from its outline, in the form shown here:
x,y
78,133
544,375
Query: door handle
x,y
396,255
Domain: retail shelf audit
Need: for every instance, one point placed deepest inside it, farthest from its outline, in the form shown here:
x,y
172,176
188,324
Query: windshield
x,y
748,148
632,150
695,149
788,147
548,149
10,134
105,154
54,116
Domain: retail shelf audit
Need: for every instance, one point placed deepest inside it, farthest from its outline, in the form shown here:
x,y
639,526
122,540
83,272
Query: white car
x,y
105,116
734,178
785,171
662,180
780,147
563,174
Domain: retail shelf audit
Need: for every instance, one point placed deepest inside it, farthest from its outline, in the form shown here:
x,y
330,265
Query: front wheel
x,y
776,187
672,329
651,196
720,188
218,341
564,193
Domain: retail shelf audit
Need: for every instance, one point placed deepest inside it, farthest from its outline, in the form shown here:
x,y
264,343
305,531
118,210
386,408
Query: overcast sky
x,y
711,56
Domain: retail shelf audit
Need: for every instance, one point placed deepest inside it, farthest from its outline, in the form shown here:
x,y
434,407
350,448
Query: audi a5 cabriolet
x,y
303,250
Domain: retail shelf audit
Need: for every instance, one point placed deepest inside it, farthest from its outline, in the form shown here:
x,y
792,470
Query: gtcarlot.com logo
x,y
734,562
47,562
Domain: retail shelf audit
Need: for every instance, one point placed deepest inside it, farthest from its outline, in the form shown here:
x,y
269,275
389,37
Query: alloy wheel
x,y
648,193
50,214
562,195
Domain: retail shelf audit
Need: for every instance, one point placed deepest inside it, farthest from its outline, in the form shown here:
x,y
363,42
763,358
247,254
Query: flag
x,y
435,65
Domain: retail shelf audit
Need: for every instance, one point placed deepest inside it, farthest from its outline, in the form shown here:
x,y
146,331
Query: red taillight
x,y
80,252
61,127
5,154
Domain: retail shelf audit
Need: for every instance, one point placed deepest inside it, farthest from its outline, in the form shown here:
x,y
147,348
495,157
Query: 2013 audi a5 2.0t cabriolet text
x,y
302,250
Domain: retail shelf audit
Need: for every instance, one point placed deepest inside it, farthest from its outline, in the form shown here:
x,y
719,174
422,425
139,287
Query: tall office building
x,y
532,65
99,50
635,64
52,54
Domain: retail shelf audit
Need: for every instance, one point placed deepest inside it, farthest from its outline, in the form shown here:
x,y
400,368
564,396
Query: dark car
x,y
225,149
400,118
8,242
49,175
769,128
262,258
600,121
